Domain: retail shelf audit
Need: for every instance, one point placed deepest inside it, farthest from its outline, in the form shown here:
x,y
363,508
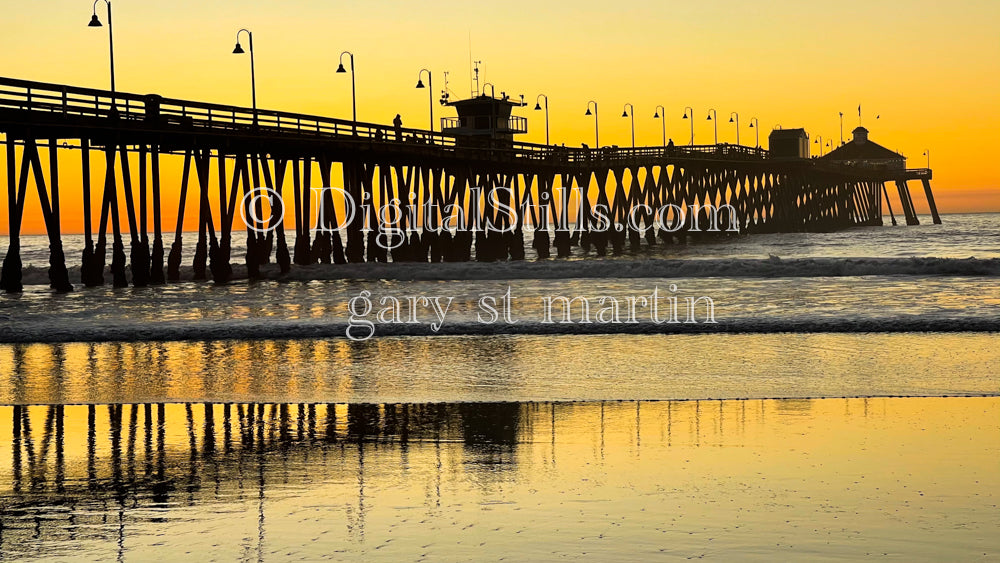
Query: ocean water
x,y
801,396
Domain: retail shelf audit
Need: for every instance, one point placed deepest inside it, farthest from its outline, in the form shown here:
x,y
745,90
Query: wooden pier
x,y
229,152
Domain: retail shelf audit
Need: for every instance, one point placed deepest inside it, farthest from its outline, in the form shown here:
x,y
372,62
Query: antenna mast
x,y
475,70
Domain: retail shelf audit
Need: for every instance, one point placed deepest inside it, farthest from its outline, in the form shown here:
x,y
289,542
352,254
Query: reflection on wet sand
x,y
385,480
502,368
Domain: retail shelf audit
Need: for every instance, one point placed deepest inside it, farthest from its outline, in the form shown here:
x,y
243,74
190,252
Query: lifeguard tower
x,y
483,118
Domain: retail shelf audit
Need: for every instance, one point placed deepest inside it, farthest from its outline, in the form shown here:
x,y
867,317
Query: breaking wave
x,y
258,329
773,267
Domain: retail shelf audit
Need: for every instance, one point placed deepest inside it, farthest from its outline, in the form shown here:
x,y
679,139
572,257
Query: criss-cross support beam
x,y
174,259
303,221
888,204
58,276
276,224
11,276
930,201
199,265
354,172
136,255
263,247
140,248
253,250
427,216
435,215
322,243
208,244
541,239
907,203
375,237
328,245
222,269
526,206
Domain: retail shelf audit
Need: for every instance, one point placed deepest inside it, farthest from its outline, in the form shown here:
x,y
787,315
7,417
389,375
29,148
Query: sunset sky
x,y
930,70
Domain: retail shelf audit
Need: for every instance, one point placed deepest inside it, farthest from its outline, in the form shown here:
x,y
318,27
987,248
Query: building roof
x,y
863,150
788,134
483,99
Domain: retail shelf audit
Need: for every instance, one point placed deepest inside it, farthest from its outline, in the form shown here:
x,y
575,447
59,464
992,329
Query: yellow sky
x,y
929,69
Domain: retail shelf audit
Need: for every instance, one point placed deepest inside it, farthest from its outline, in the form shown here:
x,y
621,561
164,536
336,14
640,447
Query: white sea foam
x,y
772,267
265,329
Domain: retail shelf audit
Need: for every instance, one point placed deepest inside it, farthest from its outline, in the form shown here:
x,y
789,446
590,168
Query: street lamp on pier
x,y
661,113
538,107
96,22
737,121
354,97
253,77
715,122
927,153
625,114
689,110
755,125
597,131
430,91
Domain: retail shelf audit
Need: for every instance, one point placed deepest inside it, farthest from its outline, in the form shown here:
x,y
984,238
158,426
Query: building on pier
x,y
485,117
862,151
788,143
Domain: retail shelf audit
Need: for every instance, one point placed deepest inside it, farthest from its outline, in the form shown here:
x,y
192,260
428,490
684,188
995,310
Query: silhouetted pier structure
x,y
228,152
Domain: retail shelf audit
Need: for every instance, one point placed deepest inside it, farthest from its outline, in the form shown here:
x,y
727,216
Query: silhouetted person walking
x,y
398,124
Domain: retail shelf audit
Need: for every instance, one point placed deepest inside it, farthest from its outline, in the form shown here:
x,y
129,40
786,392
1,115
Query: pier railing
x,y
156,112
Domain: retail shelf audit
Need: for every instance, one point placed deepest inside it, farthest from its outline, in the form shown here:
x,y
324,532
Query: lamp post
x,y
663,118
819,141
95,22
753,121
927,153
597,131
737,125
538,107
687,110
625,114
430,91
253,77
715,122
842,128
354,97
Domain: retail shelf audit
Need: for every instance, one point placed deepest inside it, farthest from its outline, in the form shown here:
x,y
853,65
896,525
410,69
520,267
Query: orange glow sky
x,y
929,69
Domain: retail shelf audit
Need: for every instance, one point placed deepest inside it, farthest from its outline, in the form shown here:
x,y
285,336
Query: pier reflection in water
x,y
501,368
525,480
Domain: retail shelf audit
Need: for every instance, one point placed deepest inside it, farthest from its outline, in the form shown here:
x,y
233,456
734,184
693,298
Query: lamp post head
x,y
238,50
751,124
588,112
94,22
731,120
656,115
538,106
341,68
709,118
625,113
420,83
685,116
